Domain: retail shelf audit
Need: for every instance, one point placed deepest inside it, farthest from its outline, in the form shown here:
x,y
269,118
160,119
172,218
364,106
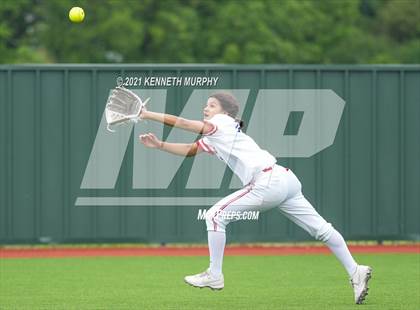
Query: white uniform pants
x,y
277,188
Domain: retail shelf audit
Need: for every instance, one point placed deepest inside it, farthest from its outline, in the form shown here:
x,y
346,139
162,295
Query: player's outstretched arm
x,y
182,149
179,122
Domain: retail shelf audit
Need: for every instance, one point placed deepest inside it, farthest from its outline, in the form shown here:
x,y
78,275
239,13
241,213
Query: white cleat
x,y
205,279
359,281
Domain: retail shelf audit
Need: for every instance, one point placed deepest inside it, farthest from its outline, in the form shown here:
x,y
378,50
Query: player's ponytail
x,y
229,104
240,122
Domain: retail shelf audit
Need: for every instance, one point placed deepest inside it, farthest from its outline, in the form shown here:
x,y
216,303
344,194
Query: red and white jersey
x,y
236,149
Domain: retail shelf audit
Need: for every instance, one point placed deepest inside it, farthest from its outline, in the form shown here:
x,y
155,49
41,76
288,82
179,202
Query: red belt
x,y
271,168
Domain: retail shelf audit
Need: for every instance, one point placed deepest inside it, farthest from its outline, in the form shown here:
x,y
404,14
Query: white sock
x,y
338,246
217,241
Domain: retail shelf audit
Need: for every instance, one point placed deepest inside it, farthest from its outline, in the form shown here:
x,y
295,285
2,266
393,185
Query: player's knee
x,y
324,233
209,218
214,222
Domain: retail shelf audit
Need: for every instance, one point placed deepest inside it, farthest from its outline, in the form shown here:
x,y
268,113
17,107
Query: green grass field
x,y
251,282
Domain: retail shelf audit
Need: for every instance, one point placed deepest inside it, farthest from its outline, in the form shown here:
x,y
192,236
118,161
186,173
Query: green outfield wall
x,y
367,183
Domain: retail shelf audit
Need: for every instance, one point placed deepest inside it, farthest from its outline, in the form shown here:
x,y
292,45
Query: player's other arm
x,y
179,122
182,149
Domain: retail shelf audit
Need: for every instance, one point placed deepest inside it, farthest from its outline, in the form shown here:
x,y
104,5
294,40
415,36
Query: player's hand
x,y
150,140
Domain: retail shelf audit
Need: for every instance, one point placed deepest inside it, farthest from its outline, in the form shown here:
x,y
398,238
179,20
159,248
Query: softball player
x,y
266,186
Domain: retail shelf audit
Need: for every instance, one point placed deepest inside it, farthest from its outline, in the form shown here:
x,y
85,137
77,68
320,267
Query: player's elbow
x,y
188,125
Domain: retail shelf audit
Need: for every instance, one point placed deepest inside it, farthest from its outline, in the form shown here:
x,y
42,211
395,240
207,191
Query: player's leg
x,y
299,210
217,218
228,210
266,191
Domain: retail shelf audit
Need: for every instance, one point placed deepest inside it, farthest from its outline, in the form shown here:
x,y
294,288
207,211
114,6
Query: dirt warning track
x,y
195,251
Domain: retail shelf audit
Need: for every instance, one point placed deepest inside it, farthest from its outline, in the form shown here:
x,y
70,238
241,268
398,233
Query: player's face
x,y
212,108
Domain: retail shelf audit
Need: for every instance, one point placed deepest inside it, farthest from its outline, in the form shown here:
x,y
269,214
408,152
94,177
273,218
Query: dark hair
x,y
229,104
